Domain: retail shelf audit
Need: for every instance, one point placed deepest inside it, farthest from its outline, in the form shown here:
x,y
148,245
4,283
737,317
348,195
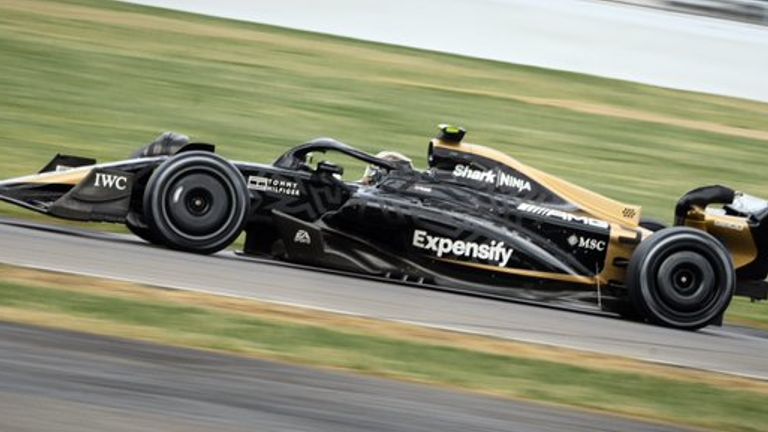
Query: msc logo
x,y
587,243
111,181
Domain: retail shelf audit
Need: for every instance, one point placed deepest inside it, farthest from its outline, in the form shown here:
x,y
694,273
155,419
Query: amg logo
x,y
494,252
111,181
497,178
587,243
568,217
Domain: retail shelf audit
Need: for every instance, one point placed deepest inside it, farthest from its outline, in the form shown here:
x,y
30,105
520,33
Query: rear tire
x,y
196,202
681,277
652,224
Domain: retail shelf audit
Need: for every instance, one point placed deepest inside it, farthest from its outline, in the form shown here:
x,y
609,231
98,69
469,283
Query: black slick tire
x,y
652,224
681,277
143,233
196,202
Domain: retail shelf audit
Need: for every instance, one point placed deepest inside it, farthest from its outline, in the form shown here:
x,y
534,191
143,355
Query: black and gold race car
x,y
477,220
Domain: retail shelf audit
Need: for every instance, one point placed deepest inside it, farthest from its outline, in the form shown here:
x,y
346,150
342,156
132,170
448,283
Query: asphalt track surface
x,y
126,258
70,382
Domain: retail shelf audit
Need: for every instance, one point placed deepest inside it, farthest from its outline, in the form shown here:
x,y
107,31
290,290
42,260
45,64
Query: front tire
x,y
196,202
681,277
143,233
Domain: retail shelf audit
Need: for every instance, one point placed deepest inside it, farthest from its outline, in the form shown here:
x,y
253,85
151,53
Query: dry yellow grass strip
x,y
597,109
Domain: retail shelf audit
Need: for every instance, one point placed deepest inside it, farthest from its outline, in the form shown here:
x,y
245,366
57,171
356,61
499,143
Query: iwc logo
x,y
111,181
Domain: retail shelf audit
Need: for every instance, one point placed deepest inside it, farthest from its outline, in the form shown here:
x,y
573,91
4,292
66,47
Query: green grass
x,y
100,78
747,313
652,397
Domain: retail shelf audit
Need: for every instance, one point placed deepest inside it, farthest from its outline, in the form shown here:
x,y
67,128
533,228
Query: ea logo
x,y
302,237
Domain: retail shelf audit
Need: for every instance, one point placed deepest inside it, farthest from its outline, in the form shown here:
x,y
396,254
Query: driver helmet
x,y
374,173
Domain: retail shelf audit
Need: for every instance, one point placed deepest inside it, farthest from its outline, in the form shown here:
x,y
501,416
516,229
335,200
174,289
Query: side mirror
x,y
331,168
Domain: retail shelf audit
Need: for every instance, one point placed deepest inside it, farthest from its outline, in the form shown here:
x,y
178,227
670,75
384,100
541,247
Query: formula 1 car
x,y
477,220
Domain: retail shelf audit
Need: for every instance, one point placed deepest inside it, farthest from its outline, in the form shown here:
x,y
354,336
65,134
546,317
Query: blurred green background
x,y
100,78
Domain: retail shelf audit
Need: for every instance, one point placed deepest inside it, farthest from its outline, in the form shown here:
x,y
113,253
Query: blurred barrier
x,y
755,11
